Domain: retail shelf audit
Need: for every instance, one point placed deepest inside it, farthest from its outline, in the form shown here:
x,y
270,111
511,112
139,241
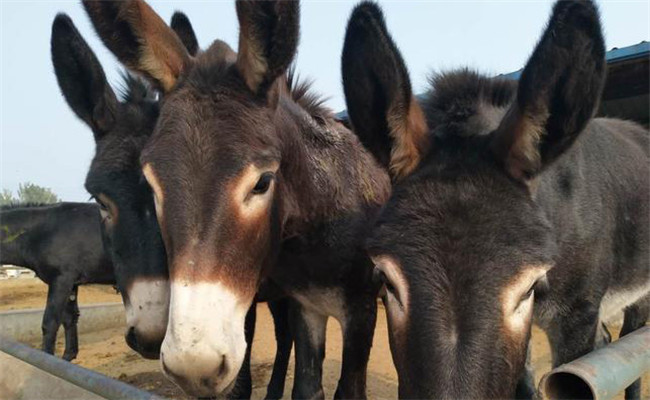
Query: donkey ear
x,y
81,77
140,39
558,92
183,28
268,39
384,113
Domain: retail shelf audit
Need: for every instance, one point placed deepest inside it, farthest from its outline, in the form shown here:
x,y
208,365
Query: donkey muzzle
x,y
205,343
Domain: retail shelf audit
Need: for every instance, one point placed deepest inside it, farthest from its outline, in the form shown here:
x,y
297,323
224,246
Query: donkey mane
x,y
302,93
135,90
466,103
214,63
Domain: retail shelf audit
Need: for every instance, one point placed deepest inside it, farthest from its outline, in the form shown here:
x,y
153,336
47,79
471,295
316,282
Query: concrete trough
x,y
25,325
28,374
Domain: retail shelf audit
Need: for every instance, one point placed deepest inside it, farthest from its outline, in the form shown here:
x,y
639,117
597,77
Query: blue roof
x,y
613,56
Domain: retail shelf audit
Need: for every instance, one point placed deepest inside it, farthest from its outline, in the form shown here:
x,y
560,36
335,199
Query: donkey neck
x,y
15,226
328,173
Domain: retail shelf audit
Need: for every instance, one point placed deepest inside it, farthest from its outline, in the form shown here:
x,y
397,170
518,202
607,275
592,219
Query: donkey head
x,y
461,247
214,165
129,226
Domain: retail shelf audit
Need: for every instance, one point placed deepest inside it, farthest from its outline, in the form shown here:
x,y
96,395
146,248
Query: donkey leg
x,y
284,340
308,330
57,295
70,318
636,317
526,384
358,331
244,384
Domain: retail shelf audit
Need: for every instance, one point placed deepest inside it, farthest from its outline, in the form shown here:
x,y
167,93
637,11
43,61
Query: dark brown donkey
x,y
513,205
252,178
129,229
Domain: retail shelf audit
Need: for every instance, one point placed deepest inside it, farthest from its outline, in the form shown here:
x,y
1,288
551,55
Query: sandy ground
x,y
18,294
106,352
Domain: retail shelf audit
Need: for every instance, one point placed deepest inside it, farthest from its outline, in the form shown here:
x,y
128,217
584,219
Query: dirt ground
x,y
19,294
106,352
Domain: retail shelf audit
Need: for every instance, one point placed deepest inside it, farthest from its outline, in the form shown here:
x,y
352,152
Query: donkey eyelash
x,y
528,293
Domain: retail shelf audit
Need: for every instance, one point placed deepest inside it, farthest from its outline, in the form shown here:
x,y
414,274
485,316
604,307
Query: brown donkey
x,y
515,205
252,179
129,228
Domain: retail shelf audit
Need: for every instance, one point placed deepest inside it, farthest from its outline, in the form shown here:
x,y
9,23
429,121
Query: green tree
x,y
6,197
31,193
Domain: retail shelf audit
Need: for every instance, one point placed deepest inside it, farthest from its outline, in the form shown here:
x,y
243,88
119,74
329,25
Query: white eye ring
x,y
388,272
156,203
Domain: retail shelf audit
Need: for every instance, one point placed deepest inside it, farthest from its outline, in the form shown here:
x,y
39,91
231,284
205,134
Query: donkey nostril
x,y
223,367
206,381
219,373
131,338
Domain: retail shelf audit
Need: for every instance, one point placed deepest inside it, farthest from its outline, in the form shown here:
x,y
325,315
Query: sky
x,y
42,141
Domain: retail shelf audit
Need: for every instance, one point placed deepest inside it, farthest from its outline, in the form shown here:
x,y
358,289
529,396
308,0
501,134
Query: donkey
x,y
129,229
62,244
252,178
115,180
511,204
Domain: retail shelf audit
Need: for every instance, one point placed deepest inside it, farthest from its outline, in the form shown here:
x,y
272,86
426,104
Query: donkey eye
x,y
389,286
263,184
101,205
104,209
379,278
528,294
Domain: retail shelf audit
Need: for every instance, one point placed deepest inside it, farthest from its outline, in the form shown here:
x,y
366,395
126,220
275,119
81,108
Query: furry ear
x,y
183,28
140,39
81,77
268,39
384,113
558,93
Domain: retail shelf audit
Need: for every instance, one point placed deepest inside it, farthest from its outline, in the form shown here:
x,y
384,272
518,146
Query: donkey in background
x,y
253,179
511,204
62,244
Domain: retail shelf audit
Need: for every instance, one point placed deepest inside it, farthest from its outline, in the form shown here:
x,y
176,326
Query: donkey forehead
x,y
199,162
215,108
208,149
116,160
462,226
200,135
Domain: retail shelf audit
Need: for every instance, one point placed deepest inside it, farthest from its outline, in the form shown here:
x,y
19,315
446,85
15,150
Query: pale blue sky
x,y
42,141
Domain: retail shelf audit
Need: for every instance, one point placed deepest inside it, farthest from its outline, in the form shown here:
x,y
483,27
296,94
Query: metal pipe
x,y
603,373
91,381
